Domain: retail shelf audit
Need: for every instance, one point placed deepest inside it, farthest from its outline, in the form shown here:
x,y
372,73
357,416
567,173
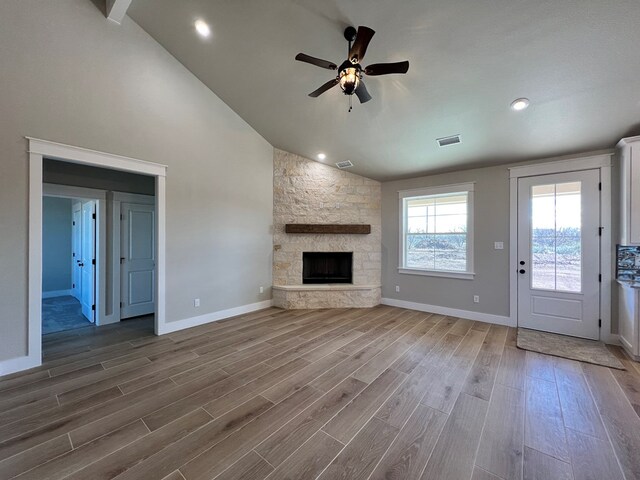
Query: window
x,y
437,231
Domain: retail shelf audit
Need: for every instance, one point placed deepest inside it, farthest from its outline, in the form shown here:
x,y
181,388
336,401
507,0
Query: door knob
x,y
522,271
80,264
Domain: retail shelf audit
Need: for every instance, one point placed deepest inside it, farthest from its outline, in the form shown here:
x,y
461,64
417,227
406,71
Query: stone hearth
x,y
312,193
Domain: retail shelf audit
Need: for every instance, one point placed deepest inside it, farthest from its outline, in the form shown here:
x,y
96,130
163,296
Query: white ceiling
x,y
577,60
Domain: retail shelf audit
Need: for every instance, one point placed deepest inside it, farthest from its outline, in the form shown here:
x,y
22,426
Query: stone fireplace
x,y
308,192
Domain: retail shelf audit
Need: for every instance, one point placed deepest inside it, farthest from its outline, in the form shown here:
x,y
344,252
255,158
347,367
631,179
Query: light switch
x,y
498,245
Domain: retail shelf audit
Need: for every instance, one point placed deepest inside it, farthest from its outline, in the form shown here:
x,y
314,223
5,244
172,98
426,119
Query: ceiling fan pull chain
x,y
350,105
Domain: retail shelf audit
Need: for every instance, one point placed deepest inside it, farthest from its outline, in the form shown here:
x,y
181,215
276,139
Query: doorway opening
x,y
106,308
69,261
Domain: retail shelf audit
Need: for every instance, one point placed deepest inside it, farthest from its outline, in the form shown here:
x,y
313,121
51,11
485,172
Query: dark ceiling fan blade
x,y
386,68
359,48
362,93
330,84
318,62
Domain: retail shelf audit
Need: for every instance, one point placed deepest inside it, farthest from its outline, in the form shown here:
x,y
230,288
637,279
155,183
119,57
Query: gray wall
x,y
491,282
56,244
71,76
491,225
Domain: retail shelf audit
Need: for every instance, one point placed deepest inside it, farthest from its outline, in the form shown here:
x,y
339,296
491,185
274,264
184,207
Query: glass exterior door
x,y
559,253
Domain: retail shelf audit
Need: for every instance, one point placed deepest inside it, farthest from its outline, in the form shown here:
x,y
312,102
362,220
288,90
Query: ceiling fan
x,y
350,72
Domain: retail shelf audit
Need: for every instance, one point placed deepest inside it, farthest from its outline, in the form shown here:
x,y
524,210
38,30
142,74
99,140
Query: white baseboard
x,y
625,343
452,312
18,364
170,327
56,293
612,339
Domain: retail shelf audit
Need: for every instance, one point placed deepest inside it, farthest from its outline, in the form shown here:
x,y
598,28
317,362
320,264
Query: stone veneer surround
x,y
305,191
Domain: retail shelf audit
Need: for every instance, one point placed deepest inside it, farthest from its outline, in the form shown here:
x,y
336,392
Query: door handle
x,y
522,271
80,264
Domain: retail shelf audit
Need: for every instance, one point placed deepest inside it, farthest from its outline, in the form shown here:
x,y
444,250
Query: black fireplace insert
x,y
327,267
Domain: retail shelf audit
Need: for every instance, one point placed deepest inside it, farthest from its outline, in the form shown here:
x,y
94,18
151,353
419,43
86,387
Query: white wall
x,y
56,244
71,76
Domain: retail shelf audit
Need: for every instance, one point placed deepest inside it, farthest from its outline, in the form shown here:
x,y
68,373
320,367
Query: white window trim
x,y
438,190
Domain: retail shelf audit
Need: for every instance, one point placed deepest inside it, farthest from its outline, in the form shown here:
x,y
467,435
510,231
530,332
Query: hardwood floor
x,y
381,393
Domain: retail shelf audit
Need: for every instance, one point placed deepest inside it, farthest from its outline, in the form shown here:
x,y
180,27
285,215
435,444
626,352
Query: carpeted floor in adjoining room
x,y
62,313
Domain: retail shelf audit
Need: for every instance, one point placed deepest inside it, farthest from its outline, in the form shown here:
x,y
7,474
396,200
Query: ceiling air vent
x,y
345,164
448,141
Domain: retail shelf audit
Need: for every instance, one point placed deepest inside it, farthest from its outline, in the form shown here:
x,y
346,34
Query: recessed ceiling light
x,y
519,104
322,156
202,28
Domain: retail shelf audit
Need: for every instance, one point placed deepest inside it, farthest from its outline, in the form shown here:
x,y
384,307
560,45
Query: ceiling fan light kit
x,y
350,72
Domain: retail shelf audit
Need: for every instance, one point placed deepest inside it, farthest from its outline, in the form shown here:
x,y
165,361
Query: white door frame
x,y
116,201
100,196
38,150
601,162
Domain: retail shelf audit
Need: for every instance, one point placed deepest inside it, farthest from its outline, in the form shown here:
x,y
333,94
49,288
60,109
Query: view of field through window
x,y
556,242
436,232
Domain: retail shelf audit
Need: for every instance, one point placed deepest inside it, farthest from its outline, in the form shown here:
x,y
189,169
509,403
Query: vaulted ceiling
x,y
577,61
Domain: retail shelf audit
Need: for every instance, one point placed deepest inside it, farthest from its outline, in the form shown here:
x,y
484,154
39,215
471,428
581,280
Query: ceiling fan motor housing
x,y
350,34
349,76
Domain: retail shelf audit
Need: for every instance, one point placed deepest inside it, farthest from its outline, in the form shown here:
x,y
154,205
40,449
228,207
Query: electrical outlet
x,y
196,302
261,289
397,288
476,299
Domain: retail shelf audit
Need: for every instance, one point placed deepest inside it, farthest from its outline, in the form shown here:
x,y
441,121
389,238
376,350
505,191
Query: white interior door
x,y
559,253
137,262
88,259
76,249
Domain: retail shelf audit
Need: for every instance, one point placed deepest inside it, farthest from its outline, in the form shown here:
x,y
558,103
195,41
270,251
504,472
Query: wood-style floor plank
x,y
250,467
120,461
72,461
479,383
502,442
592,458
479,474
619,417
190,446
225,453
398,408
511,372
578,408
447,385
539,366
35,456
277,447
538,466
330,393
544,429
310,459
454,454
359,457
350,419
409,453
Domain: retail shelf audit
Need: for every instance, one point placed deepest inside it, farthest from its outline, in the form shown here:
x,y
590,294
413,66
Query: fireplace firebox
x,y
327,267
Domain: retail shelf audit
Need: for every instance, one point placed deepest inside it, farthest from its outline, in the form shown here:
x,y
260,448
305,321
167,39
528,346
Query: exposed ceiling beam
x,y
117,9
